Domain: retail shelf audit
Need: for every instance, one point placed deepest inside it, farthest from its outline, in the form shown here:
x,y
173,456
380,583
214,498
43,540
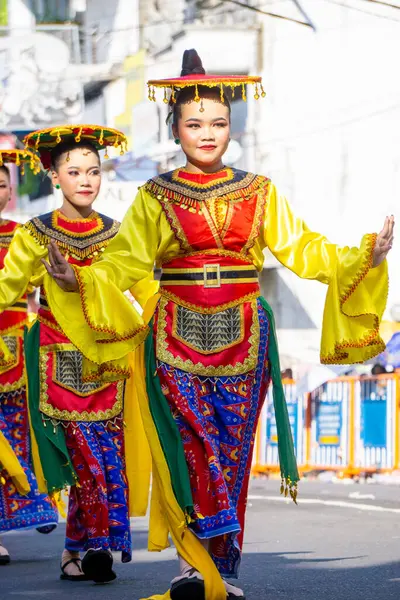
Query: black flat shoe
x,y
46,529
5,559
66,577
97,566
189,588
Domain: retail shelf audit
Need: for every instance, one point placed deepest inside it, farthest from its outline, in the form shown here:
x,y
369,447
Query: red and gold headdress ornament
x,y
44,141
20,158
193,75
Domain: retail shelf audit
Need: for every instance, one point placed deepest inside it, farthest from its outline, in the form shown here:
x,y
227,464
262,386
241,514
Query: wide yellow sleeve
x,y
21,262
357,292
143,290
11,464
100,320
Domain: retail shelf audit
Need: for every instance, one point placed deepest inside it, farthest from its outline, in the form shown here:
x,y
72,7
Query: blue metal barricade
x,y
329,446
267,438
349,424
375,422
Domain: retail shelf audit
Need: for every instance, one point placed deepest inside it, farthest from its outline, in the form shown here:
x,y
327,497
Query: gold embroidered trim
x,y
258,216
50,324
18,329
224,213
104,369
175,334
175,225
207,184
13,361
76,234
161,189
11,387
164,355
371,338
213,252
210,310
212,225
139,332
79,248
65,415
7,236
57,348
20,309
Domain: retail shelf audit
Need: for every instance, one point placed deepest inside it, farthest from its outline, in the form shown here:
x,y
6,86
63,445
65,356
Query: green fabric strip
x,y
287,458
167,430
57,468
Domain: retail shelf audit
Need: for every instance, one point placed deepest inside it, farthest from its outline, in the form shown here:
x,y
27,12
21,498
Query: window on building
x,y
50,11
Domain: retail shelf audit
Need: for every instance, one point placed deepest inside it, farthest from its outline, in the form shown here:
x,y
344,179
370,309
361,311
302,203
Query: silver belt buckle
x,y
212,283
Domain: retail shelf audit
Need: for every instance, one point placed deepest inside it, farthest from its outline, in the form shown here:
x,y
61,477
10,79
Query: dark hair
x,y
192,65
5,170
378,369
68,146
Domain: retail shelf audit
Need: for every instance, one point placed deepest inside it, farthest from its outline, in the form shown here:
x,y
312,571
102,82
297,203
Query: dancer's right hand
x,y
60,270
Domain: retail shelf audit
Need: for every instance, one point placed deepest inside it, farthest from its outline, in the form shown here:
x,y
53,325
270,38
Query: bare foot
x,y
72,569
233,590
4,555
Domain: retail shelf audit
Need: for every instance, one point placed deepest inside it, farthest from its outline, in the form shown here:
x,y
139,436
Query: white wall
x,y
329,129
19,15
118,25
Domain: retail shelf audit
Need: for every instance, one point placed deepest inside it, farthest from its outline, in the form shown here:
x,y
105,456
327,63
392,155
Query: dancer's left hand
x,y
384,242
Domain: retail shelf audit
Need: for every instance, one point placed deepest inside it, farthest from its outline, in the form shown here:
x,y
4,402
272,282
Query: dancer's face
x,y
79,175
5,190
204,135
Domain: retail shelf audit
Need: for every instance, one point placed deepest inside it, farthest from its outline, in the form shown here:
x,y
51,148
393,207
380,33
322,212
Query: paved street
x,y
341,543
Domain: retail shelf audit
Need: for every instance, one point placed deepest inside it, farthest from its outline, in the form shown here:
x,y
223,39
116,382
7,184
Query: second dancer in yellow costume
x,y
78,425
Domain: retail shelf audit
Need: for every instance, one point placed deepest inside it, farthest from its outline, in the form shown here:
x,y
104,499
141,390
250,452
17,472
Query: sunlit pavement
x,y
341,542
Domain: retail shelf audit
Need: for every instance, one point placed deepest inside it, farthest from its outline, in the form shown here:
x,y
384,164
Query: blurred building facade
x,y
326,134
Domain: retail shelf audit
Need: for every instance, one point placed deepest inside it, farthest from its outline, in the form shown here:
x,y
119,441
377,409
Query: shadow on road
x,y
34,574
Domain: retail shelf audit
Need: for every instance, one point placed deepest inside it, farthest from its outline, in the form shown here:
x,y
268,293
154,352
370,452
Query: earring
x,y
58,186
177,141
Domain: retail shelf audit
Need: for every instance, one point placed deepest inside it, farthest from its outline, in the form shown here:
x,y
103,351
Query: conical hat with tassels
x,y
45,140
20,158
194,75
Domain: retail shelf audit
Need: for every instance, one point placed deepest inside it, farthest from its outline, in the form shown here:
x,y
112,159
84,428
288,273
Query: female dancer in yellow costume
x,y
22,506
77,424
211,350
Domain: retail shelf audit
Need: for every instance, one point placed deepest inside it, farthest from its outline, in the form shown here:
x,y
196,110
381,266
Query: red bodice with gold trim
x,y
16,315
12,321
63,393
80,240
216,218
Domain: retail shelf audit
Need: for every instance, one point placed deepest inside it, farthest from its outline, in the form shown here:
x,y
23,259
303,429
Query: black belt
x,y
21,304
43,302
212,275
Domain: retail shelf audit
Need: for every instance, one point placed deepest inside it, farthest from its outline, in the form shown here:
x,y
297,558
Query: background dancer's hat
x,y
193,75
45,140
20,158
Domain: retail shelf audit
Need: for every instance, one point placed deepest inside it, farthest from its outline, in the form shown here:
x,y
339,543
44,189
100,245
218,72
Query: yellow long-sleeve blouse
x,y
102,323
23,266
